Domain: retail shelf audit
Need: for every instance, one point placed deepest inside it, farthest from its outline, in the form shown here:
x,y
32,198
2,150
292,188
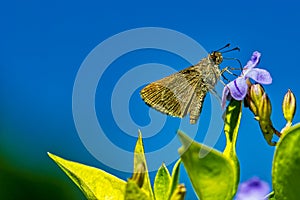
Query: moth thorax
x,y
216,57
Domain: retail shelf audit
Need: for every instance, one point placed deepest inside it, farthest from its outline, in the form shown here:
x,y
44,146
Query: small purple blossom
x,y
253,189
238,87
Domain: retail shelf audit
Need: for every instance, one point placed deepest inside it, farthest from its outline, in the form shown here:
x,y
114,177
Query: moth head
x,y
216,56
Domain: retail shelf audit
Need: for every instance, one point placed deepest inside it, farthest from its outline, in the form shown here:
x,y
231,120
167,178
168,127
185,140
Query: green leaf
x,y
286,165
271,196
162,183
174,178
231,126
211,173
133,192
139,158
94,183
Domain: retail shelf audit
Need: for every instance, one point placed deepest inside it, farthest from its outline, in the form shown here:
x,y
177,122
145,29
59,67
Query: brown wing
x,y
173,95
197,101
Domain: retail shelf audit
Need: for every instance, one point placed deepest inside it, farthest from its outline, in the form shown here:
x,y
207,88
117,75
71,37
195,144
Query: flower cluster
x,y
256,98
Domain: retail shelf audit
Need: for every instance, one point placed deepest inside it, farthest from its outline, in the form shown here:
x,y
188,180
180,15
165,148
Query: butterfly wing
x,y
173,95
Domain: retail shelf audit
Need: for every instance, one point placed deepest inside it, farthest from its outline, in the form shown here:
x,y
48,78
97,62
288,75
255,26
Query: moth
x,y
184,92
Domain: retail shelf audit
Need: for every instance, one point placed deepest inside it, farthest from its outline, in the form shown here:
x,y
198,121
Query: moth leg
x,y
234,68
226,79
214,92
222,74
224,70
227,69
223,81
241,66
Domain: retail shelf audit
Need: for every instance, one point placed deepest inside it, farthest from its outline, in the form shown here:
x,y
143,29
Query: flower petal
x,y
254,188
260,75
253,62
225,96
238,88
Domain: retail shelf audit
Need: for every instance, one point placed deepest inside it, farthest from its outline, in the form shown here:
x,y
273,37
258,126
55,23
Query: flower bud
x,y
255,94
289,106
179,192
265,108
139,176
265,123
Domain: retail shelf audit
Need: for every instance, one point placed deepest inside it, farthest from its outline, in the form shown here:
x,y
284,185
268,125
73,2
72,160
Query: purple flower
x,y
238,87
253,189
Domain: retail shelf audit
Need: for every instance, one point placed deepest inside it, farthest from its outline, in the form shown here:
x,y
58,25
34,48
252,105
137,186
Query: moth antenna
x,y
227,45
234,49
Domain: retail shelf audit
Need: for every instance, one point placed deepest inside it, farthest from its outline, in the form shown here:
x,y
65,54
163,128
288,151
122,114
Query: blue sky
x,y
43,45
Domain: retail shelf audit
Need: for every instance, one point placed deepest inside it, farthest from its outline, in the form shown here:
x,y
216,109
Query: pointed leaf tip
x,y
174,178
139,157
162,183
94,183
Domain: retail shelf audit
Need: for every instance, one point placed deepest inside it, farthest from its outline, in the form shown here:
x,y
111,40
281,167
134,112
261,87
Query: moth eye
x,y
219,59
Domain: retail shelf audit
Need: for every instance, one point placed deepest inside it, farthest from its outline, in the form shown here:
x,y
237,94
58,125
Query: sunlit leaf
x,y
133,191
162,183
139,158
211,174
96,184
232,122
175,177
286,165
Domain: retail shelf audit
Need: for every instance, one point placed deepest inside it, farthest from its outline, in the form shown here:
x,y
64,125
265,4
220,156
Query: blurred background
x,y
43,44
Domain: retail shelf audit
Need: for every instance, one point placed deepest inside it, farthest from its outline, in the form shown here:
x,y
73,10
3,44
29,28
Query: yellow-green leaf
x,y
94,183
211,174
134,192
286,165
139,158
232,122
174,178
162,183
